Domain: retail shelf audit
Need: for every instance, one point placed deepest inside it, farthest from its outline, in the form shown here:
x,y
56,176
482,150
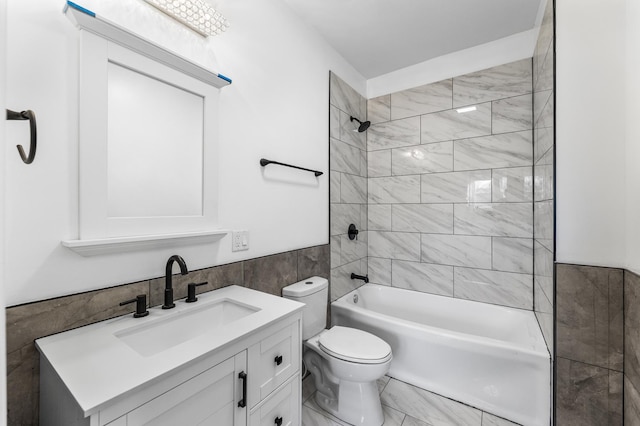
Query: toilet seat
x,y
353,345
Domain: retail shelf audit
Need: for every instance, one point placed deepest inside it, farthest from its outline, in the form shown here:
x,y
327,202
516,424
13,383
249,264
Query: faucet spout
x,y
168,290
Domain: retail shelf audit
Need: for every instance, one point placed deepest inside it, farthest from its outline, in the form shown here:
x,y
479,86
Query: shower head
x,y
363,125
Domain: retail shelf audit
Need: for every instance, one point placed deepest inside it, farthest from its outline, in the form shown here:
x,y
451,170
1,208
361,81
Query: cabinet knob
x,y
278,360
278,421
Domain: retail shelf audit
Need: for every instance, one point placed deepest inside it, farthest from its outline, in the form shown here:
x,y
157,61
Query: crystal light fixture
x,y
195,14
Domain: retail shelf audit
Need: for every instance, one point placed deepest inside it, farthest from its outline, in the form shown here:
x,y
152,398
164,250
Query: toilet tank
x,y
313,292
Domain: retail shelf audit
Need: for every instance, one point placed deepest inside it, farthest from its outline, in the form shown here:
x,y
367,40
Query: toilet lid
x,y
354,345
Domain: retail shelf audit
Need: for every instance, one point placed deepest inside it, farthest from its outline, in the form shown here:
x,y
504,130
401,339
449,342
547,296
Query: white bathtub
x,y
487,356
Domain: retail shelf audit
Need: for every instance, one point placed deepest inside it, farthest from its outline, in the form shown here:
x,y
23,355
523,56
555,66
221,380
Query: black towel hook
x,y
31,116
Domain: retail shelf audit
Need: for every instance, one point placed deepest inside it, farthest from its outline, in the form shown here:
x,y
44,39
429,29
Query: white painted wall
x,y
590,142
277,107
632,155
3,142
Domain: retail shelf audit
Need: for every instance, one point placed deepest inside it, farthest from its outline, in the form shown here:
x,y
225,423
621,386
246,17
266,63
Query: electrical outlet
x,y
240,240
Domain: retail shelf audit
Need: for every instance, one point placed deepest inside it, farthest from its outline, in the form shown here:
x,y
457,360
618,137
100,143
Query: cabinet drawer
x,y
281,408
272,361
207,399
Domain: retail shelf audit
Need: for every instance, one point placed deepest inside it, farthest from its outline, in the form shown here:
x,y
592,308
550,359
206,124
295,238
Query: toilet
x,y
345,362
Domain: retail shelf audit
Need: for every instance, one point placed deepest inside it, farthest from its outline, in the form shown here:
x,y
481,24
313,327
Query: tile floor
x,y
404,405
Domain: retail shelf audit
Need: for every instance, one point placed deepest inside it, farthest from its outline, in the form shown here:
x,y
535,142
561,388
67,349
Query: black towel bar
x,y
265,162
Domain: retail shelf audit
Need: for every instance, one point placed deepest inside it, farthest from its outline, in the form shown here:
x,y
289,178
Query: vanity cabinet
x,y
252,379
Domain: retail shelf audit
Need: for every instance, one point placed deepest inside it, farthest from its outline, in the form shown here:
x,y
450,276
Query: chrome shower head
x,y
363,125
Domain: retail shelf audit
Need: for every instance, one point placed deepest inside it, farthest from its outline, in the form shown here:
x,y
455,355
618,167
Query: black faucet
x,y
168,290
364,278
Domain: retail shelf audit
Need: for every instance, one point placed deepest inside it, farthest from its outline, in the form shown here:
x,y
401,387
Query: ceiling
x,y
380,36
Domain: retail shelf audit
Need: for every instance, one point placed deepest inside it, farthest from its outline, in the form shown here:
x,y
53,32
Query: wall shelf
x,y
85,19
100,246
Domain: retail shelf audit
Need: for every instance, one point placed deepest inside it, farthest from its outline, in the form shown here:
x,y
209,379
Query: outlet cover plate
x,y
240,240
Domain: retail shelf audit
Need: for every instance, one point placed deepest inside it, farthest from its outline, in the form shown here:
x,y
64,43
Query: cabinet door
x,y
210,398
280,409
272,361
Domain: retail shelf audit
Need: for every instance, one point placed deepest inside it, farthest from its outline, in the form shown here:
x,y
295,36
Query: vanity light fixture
x,y
466,109
195,14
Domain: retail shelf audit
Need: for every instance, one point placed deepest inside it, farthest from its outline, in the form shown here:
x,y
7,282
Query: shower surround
x,y
450,187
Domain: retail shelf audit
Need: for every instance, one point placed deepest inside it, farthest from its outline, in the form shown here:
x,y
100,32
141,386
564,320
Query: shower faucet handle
x,y
353,232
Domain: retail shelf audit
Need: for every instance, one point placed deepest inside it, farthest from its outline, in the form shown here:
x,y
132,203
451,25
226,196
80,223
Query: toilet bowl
x,y
345,363
346,374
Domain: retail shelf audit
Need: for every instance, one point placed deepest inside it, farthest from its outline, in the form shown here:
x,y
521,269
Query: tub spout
x,y
364,278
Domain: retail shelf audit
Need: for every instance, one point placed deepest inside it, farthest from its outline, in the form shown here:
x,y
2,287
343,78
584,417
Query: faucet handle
x,y
141,305
191,291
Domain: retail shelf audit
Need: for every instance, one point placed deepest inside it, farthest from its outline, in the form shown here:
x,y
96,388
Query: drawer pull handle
x,y
278,360
278,421
243,402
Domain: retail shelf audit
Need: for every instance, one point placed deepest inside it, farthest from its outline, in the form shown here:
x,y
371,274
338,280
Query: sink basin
x,y
179,327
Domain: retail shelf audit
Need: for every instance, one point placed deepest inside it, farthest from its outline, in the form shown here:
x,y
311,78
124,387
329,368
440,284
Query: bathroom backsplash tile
x,y
394,134
341,282
334,122
346,98
631,404
216,277
342,215
540,100
512,185
430,158
334,187
397,189
379,109
344,158
457,187
473,172
544,177
431,218
457,250
380,217
512,114
451,124
502,288
590,315
379,163
421,100
395,245
512,255
353,189
349,132
631,329
543,141
499,82
501,220
587,395
349,155
380,270
425,277
496,151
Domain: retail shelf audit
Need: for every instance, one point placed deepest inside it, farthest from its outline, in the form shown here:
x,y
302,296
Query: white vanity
x,y
231,359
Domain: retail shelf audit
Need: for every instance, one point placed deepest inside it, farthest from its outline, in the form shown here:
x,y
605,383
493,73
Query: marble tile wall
x,y
631,349
25,323
450,193
590,347
348,194
543,170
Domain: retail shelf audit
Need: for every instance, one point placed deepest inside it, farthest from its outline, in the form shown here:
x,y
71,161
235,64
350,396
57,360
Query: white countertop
x,y
97,367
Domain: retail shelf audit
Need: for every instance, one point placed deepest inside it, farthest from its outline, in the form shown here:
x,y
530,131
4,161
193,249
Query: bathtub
x,y
491,357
